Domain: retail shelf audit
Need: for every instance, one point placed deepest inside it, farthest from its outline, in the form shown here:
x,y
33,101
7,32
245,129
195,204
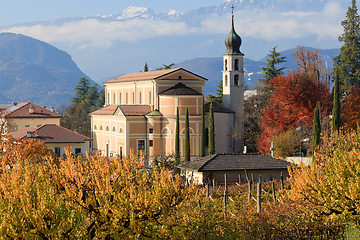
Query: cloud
x,y
102,34
274,25
262,24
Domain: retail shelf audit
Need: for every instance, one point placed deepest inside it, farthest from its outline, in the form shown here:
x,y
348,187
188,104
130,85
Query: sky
x,y
19,11
154,39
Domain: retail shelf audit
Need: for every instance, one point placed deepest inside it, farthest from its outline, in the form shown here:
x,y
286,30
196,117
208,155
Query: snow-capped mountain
x,y
121,42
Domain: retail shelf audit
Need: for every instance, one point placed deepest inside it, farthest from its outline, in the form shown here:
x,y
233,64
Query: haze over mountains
x,y
109,45
32,70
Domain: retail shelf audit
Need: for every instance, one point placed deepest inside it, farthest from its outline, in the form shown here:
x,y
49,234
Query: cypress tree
x,y
177,136
336,105
187,137
347,62
202,139
316,128
211,130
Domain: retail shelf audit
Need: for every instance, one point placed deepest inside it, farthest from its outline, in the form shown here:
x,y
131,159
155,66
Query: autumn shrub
x,y
287,143
98,198
331,184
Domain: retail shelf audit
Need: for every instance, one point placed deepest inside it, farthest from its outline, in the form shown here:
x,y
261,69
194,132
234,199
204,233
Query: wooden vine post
x,y
258,200
273,190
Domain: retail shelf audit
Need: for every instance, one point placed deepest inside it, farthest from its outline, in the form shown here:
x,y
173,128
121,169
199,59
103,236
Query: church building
x,y
140,109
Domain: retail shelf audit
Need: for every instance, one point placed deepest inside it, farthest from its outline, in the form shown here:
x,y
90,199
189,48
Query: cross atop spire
x,y
232,10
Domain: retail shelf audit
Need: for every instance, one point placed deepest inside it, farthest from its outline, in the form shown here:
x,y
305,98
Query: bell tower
x,y
233,86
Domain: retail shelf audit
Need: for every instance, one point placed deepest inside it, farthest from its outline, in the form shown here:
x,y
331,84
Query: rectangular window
x,y
113,98
57,151
141,145
27,125
77,151
140,98
151,130
127,98
133,98
149,98
120,98
151,143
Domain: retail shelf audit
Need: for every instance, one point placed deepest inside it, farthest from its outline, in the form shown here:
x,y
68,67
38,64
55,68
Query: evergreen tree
x,y
177,136
270,71
146,68
316,128
81,89
211,130
187,137
336,105
347,63
202,139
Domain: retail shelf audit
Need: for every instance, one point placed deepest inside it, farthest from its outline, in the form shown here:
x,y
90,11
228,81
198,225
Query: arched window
x,y
94,127
236,64
121,130
107,128
101,128
180,77
236,80
120,98
133,98
127,98
113,98
149,98
226,68
108,98
140,98
226,80
114,130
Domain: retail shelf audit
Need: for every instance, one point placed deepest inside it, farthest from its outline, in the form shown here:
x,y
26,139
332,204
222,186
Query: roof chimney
x,y
52,109
28,134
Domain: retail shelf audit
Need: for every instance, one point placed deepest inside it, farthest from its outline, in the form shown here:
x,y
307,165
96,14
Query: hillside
x,y
32,70
211,68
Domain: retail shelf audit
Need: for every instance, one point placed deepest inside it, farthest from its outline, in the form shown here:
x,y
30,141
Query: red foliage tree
x,y
351,112
291,105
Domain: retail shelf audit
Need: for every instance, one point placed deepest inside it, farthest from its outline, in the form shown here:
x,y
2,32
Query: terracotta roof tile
x,y
135,110
29,110
234,162
141,76
108,110
180,89
51,133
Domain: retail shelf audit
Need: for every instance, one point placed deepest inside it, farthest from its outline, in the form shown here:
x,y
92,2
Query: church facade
x,y
140,109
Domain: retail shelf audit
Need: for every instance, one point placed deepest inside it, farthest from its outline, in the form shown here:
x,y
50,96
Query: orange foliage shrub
x,y
291,105
351,110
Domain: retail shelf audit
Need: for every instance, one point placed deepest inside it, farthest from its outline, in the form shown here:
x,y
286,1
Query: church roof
x,y
233,41
135,110
180,89
150,75
217,108
154,113
128,110
108,110
236,162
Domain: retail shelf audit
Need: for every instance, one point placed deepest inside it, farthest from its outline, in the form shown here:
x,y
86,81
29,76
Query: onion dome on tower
x,y
233,41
